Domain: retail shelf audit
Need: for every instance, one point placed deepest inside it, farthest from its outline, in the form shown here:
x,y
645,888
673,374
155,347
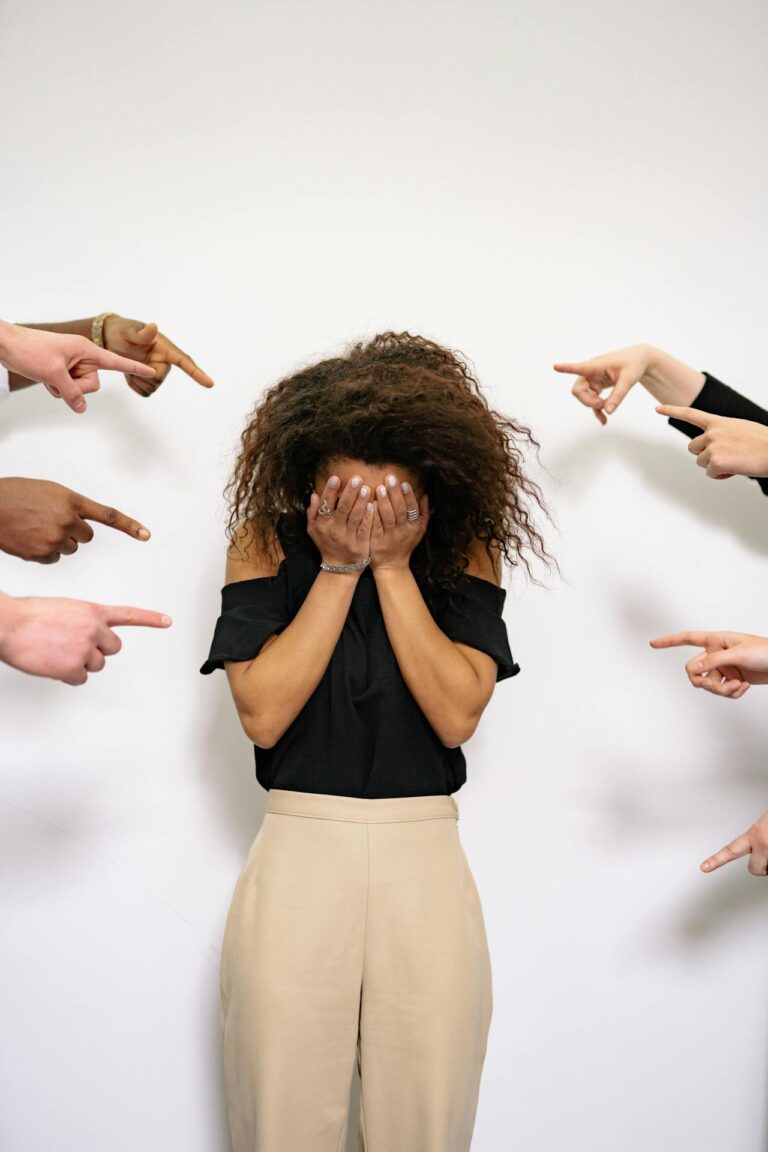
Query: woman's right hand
x,y
667,379
615,372
344,537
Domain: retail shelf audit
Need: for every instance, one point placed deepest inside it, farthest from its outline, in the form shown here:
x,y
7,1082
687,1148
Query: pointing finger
x,y
111,362
687,415
136,617
682,639
102,514
741,846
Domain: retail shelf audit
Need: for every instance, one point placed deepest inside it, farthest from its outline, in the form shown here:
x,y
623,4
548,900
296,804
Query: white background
x,y
527,182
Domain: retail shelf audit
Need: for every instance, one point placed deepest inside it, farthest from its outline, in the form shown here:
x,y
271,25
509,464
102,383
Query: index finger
x,y
102,514
741,846
682,639
181,360
688,415
139,617
571,369
110,361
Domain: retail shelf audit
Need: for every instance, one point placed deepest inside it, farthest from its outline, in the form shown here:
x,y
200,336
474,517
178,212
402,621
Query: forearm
x,y
671,381
271,690
8,616
443,683
68,327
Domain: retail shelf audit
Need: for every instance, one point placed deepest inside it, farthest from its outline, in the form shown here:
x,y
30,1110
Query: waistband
x,y
324,806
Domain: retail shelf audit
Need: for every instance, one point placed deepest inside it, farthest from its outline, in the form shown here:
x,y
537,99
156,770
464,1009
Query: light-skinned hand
x,y
729,664
65,639
753,843
727,447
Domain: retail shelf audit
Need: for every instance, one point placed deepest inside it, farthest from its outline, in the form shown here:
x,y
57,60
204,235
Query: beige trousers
x,y
355,934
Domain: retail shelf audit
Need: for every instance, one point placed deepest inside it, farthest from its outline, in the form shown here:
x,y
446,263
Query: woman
x,y
362,634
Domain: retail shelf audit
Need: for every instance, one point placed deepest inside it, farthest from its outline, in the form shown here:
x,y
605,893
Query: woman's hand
x,y
667,379
393,535
344,537
754,843
726,447
143,342
731,662
614,372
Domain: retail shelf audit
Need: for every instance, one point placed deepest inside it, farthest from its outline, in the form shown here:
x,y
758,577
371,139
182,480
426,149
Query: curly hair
x,y
405,400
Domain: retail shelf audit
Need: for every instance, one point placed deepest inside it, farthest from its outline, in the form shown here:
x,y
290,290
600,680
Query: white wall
x,y
526,182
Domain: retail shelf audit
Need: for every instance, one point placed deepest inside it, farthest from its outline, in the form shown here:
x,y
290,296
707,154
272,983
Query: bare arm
x,y
451,682
68,327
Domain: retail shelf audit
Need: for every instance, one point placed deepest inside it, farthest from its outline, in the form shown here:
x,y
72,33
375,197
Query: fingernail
x,y
382,490
167,620
698,666
405,486
143,533
369,507
706,867
355,481
609,407
333,482
364,490
391,480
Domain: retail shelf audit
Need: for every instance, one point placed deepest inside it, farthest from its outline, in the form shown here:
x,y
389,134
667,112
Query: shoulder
x,y
255,551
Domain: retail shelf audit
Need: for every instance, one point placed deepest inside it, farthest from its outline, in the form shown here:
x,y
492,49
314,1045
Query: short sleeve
x,y
251,610
476,620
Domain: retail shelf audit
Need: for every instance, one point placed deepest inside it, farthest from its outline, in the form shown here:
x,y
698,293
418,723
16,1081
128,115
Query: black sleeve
x,y
720,400
477,621
251,610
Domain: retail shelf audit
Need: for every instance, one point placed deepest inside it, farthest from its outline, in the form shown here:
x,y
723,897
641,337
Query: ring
x,y
413,513
325,508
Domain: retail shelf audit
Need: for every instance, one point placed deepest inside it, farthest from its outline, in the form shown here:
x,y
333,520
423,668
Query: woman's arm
x,y
451,682
669,380
270,690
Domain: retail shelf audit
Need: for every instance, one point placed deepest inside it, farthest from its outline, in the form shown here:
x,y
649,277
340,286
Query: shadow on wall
x,y
728,505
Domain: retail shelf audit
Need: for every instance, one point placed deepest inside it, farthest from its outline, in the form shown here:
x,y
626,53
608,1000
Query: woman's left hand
x,y
727,446
731,661
393,535
143,342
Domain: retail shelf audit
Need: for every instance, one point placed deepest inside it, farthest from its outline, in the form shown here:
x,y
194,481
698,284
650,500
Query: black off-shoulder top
x,y
361,733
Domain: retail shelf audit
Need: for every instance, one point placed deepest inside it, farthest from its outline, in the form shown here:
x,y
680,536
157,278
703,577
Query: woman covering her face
x,y
374,499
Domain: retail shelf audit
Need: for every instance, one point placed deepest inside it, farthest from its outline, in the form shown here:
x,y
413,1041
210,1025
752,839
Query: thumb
x,y
687,415
145,335
622,386
717,659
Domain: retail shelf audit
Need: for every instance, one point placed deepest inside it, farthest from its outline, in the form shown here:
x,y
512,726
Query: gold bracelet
x,y
97,328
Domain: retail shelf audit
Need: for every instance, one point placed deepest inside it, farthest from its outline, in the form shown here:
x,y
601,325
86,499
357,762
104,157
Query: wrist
x,y
9,610
6,340
669,380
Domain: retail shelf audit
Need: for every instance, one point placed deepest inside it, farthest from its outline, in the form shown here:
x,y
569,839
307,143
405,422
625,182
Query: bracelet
x,y
345,567
97,328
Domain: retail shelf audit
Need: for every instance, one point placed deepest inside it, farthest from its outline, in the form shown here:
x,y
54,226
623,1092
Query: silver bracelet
x,y
345,567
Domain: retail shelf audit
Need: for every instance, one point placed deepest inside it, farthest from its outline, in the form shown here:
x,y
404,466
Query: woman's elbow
x,y
260,729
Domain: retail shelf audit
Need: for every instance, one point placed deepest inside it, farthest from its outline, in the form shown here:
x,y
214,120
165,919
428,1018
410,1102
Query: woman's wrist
x,y
670,381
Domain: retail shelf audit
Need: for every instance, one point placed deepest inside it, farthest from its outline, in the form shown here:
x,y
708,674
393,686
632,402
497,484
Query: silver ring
x,y
413,513
325,508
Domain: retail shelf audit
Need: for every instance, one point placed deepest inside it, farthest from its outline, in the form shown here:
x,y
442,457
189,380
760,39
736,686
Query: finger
x,y
114,616
52,559
143,387
358,509
588,393
62,385
349,494
396,498
68,546
709,661
600,415
410,500
687,415
698,444
95,661
102,514
76,678
111,362
737,848
330,494
181,360
108,641
573,369
758,862
682,640
143,334
366,524
625,382
81,531
386,512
